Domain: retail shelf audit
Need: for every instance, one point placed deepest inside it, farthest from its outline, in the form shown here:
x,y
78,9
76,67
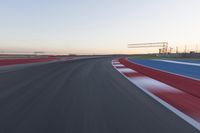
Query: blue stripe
x,y
186,70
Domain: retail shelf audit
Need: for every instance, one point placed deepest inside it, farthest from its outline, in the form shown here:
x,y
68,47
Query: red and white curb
x,y
181,103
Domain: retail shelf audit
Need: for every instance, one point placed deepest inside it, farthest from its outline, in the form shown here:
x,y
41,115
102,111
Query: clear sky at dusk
x,y
97,26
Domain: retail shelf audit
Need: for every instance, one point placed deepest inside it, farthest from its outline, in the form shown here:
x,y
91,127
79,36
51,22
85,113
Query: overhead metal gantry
x,y
162,45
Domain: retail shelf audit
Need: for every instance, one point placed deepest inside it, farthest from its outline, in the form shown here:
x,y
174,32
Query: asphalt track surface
x,y
83,96
181,69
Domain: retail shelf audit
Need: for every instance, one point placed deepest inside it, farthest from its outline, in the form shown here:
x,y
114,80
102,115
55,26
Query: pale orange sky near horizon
x,y
97,27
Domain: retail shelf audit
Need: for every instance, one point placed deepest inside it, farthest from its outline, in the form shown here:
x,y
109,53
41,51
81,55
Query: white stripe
x,y
116,62
118,65
149,83
178,62
126,70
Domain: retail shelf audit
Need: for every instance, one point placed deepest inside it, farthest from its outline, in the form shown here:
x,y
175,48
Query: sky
x,y
97,26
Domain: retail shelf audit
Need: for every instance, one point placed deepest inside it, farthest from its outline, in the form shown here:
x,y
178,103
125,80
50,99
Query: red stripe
x,y
186,103
185,84
133,74
4,62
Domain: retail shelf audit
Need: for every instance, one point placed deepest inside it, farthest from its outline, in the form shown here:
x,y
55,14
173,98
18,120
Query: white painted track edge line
x,y
182,115
178,62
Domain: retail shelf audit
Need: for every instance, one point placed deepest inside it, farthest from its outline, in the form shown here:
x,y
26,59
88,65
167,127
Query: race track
x,y
81,96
